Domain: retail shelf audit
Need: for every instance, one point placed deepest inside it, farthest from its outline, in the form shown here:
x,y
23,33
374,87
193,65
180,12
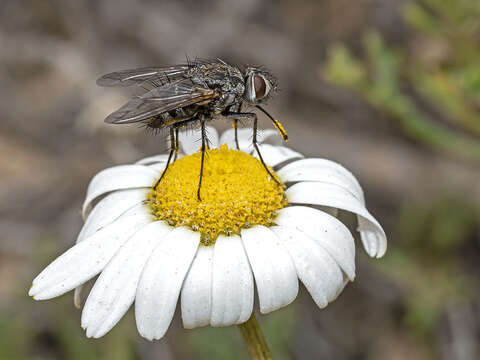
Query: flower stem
x,y
255,340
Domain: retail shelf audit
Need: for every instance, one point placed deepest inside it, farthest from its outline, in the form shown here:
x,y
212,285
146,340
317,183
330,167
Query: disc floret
x,y
236,192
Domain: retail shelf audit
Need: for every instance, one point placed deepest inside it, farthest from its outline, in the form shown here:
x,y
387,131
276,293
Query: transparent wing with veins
x,y
171,96
139,76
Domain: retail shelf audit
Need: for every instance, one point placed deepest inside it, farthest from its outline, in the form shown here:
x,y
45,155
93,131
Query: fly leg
x,y
173,149
255,145
235,127
204,136
231,114
176,143
253,116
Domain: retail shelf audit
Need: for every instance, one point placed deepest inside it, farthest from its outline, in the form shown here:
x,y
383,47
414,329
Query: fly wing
x,y
138,76
162,99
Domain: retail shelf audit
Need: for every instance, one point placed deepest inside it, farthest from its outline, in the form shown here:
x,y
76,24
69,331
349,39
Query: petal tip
x,y
94,332
41,296
381,253
149,337
77,301
84,321
371,252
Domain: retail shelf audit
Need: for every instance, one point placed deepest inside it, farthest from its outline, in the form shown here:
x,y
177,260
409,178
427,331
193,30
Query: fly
x,y
194,93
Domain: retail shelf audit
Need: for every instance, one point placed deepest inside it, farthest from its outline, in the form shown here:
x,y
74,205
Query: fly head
x,y
259,85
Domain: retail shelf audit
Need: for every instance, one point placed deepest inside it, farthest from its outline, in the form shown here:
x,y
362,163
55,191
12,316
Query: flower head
x,y
152,246
228,202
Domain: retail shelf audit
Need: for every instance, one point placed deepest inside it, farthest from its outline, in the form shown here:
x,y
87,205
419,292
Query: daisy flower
x,y
153,247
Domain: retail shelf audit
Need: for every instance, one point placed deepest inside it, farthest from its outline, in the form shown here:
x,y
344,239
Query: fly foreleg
x,y
173,149
247,115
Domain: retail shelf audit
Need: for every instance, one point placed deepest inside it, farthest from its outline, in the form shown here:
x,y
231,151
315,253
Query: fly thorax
x,y
229,99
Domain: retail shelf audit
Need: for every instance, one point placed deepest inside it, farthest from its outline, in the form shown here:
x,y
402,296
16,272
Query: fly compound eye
x,y
260,86
257,87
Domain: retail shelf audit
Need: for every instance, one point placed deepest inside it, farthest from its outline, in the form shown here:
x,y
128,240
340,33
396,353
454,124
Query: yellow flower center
x,y
236,193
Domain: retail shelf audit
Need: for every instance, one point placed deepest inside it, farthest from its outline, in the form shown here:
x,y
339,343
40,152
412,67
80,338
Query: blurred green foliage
x,y
432,87
278,328
429,258
54,332
57,335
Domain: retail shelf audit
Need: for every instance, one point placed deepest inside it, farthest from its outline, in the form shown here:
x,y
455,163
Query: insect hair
x,y
165,131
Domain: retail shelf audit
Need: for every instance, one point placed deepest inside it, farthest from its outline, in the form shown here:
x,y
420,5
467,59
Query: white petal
x,y
160,166
317,270
191,139
316,193
374,241
106,211
114,291
153,159
117,178
77,297
274,155
340,289
213,137
196,294
86,259
270,136
274,272
232,283
328,231
161,281
111,208
245,137
157,162
321,170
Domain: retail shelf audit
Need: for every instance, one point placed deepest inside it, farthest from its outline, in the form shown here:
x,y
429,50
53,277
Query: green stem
x,y
255,340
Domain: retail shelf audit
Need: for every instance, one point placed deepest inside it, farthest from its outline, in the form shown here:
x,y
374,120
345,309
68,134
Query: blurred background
x,y
388,88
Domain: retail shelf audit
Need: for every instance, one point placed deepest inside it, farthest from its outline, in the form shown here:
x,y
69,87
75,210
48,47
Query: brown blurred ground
x,y
53,139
